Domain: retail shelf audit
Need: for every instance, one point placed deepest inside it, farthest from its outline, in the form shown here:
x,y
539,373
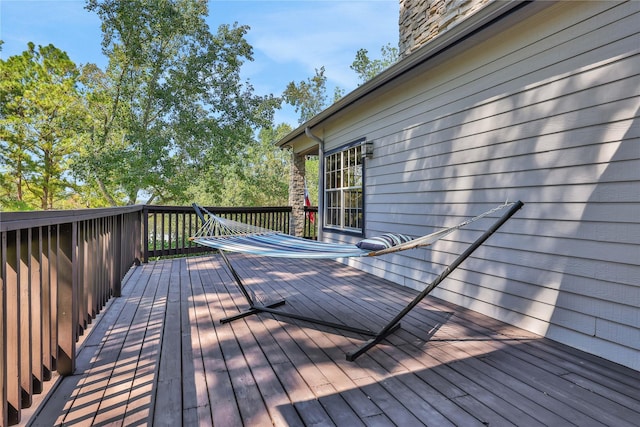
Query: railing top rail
x,y
218,209
19,220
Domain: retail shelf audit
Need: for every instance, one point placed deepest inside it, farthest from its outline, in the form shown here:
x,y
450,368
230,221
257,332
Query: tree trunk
x,y
105,193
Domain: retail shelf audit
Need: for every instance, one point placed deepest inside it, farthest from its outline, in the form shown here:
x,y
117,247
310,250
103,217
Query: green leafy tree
x,y
41,120
367,68
266,169
308,97
103,144
259,177
171,103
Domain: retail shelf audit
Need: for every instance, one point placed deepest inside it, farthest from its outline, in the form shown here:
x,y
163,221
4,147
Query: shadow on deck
x,y
158,355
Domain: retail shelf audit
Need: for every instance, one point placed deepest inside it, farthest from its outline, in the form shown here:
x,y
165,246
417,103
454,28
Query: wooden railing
x,y
59,268
57,271
167,228
311,222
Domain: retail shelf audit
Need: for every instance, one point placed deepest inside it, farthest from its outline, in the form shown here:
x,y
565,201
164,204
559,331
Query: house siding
x,y
546,111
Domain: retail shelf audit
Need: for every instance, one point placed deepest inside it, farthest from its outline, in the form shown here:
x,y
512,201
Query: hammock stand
x,y
393,324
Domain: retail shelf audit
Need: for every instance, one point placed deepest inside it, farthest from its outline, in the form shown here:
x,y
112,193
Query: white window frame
x,y
344,188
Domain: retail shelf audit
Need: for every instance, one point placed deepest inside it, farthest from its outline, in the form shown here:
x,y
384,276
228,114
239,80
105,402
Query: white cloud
x,y
308,35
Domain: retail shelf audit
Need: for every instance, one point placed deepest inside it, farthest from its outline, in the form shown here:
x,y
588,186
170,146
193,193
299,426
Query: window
x,y
343,188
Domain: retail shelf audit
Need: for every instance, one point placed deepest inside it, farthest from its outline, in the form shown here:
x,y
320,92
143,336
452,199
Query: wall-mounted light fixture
x,y
367,149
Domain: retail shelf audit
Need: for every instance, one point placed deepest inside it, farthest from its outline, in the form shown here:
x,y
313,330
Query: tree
x,y
367,68
309,96
102,148
171,103
259,177
41,118
266,168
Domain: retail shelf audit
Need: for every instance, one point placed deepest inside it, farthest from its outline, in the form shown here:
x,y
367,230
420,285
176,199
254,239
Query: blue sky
x,y
290,38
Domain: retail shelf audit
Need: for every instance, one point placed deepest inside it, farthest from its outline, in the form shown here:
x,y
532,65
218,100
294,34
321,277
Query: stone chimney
x,y
422,20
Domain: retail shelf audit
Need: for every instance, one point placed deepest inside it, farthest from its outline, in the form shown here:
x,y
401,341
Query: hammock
x,y
227,235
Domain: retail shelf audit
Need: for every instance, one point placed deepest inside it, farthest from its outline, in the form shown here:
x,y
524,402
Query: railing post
x,y
67,297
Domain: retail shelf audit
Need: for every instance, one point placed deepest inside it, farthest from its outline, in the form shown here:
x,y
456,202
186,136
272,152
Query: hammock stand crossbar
x,y
393,324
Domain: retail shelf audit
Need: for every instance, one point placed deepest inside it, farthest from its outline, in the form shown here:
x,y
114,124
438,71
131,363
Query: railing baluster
x,y
93,284
80,265
13,326
145,234
117,255
184,240
36,309
99,268
107,248
53,299
24,284
136,218
155,232
4,415
162,233
67,297
45,277
170,218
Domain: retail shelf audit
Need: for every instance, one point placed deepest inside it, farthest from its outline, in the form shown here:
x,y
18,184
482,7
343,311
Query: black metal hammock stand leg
x,y
393,324
255,308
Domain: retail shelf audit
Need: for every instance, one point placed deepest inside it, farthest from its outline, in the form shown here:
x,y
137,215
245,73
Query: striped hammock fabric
x,y
233,236
281,245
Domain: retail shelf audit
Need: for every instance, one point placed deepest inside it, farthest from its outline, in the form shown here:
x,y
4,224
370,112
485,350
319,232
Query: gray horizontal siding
x,y
502,77
547,113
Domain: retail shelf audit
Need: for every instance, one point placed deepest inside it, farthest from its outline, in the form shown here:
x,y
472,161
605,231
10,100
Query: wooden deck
x,y
158,355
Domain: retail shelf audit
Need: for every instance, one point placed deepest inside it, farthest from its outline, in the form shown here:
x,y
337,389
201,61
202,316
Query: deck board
x,y
159,355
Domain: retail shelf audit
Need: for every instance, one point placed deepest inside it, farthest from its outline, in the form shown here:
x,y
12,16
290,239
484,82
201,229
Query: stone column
x,y
296,194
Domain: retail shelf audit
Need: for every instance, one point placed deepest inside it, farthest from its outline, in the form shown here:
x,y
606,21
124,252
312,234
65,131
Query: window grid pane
x,y
343,195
